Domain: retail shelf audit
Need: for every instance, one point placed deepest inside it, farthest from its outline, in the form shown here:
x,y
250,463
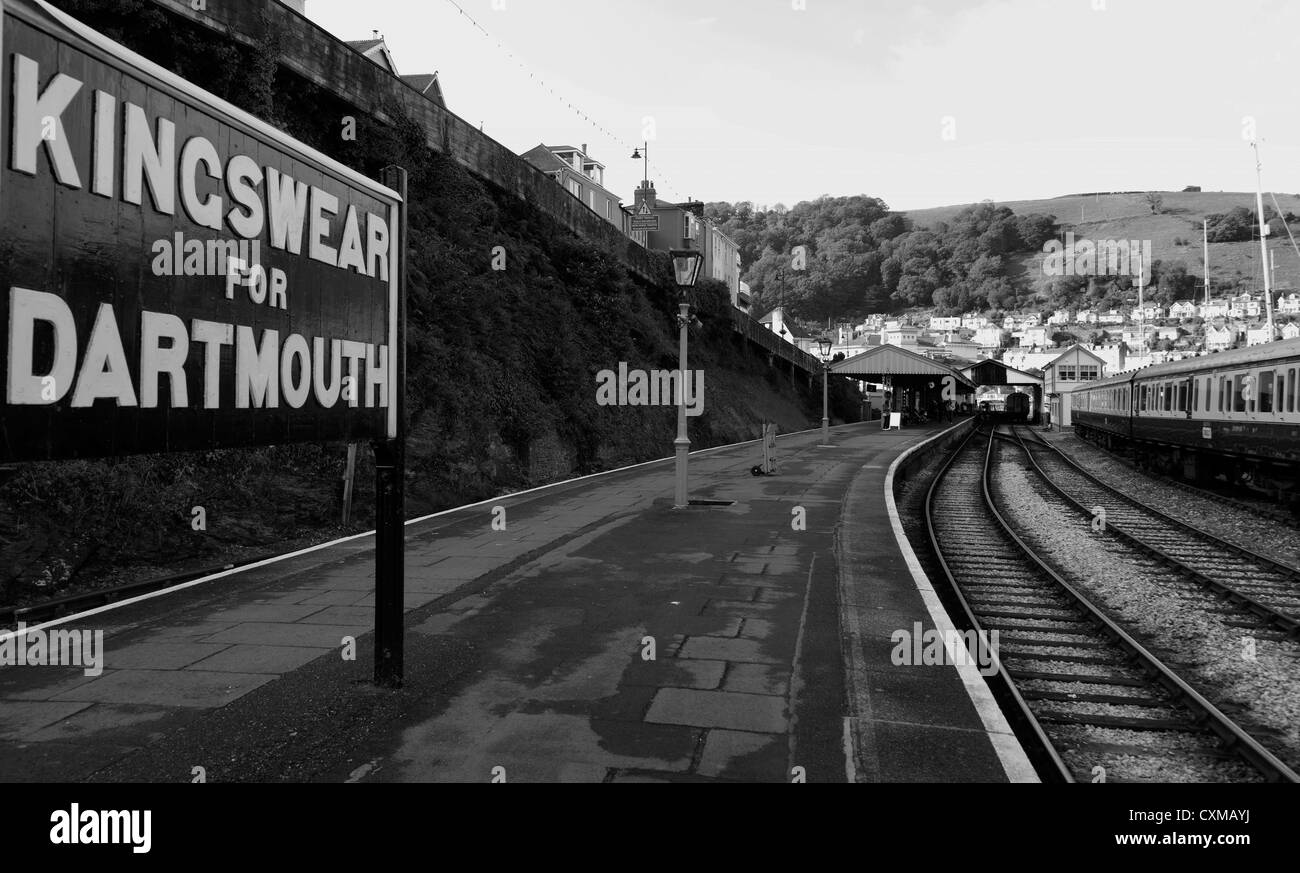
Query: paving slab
x,y
158,656
719,709
261,659
194,688
275,634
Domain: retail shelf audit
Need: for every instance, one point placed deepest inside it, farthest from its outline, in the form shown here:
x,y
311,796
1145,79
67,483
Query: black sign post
x,y
390,483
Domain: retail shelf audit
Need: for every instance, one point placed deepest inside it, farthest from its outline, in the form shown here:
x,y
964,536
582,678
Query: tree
x,y
1155,201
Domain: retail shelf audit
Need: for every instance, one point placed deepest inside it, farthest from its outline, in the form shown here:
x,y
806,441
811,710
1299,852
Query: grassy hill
x,y
1127,216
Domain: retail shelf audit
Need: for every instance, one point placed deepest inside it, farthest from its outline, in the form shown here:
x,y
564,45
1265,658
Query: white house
x,y
1218,339
1114,316
974,321
1033,336
1290,330
1085,316
990,337
1216,308
951,322
1288,304
1257,336
1060,316
1135,338
1187,309
899,335
1149,312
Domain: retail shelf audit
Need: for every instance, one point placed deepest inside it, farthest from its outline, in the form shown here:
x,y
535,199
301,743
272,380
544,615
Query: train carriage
x,y
1233,415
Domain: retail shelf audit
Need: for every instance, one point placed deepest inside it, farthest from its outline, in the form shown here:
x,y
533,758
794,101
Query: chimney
x,y
584,149
645,193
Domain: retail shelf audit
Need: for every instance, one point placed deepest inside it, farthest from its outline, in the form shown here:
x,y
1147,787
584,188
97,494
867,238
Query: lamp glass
x,y
686,267
825,346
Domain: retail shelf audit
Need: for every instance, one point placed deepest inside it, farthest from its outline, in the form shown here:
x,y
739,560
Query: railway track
x,y
1257,508
1269,590
1088,700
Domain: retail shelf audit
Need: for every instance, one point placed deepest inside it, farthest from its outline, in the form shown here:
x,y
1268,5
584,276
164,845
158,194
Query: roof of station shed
x,y
992,372
891,360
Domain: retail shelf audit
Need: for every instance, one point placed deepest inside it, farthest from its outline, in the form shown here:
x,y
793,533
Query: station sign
x,y
175,274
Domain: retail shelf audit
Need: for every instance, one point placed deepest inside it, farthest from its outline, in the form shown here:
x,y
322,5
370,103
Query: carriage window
x,y
1223,394
1196,394
1182,397
1265,384
1291,390
1239,393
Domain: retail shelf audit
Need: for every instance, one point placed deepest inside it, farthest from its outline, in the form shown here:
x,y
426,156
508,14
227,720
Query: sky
x,y
918,103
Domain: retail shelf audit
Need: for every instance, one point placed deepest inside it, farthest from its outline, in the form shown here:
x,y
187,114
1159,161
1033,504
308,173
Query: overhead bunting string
x,y
666,185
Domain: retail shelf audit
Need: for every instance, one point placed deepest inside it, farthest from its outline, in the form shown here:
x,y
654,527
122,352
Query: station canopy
x,y
894,361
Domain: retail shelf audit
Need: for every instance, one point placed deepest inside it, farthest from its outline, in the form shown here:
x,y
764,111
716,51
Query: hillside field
x,y
1127,216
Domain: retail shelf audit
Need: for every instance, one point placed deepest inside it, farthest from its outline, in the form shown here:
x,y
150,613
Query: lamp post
x,y
686,267
639,154
824,346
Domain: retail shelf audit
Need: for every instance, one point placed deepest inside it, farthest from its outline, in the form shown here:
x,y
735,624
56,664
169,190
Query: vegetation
x,y
847,256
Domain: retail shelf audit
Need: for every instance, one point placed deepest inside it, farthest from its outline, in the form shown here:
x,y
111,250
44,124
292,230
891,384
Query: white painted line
x,y
1015,763
325,545
850,772
795,685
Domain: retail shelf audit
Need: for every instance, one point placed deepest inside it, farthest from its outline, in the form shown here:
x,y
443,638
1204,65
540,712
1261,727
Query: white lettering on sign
x,y
266,370
148,153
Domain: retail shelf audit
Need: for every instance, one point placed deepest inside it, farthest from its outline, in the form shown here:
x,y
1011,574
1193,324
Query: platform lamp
x,y
643,153
824,346
686,268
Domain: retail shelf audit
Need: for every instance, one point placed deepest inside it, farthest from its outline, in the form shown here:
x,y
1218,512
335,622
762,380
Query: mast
x,y
1205,239
1263,243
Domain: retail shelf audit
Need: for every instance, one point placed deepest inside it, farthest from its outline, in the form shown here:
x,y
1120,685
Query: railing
x,y
754,331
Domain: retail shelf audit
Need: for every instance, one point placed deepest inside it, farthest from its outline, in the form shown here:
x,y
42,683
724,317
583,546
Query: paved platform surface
x,y
601,636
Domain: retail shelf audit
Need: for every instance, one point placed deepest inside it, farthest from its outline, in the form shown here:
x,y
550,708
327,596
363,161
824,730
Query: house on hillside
x,y
1220,338
1113,316
1135,338
428,85
974,321
1033,336
1290,330
1149,312
952,322
1060,316
376,50
899,335
1258,335
1085,316
990,337
1288,304
580,175
1217,307
776,322
1182,309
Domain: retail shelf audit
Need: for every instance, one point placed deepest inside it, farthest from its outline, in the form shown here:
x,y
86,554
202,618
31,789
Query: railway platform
x,y
585,631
